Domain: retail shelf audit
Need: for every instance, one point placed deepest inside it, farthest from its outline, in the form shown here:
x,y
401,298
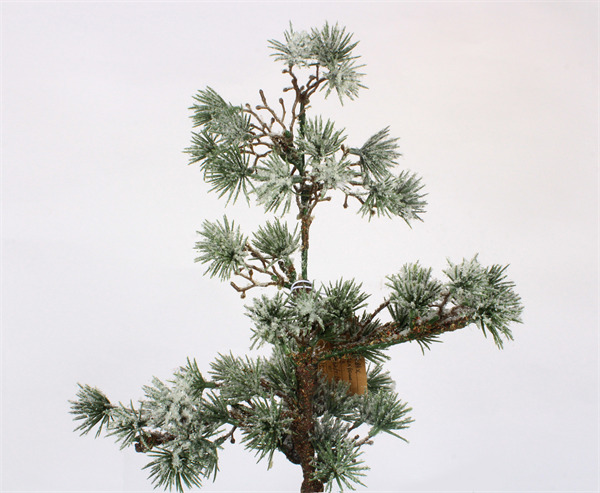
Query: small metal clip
x,y
302,284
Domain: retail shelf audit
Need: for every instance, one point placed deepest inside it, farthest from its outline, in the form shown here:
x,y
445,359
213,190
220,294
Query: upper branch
x,y
392,333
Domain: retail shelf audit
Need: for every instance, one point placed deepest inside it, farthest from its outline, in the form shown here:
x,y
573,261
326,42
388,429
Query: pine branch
x,y
278,244
393,333
223,248
93,408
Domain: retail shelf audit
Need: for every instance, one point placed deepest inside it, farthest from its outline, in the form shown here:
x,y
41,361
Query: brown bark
x,y
306,374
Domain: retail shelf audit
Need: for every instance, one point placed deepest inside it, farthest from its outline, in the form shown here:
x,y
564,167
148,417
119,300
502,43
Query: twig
x,y
365,441
269,109
281,102
254,284
381,307
228,435
298,98
264,126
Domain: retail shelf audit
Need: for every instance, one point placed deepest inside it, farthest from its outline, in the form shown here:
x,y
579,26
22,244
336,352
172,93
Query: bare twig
x,y
298,98
228,435
281,102
365,441
381,307
264,127
270,110
243,289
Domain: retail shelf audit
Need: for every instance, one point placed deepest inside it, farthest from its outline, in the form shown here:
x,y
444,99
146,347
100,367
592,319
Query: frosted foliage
x,y
280,321
179,450
332,173
125,424
275,240
204,145
274,321
229,123
319,143
397,196
338,457
276,187
377,379
236,251
228,173
378,154
469,284
220,118
384,412
300,46
240,378
331,48
268,429
466,276
309,309
406,203
487,293
181,464
330,429
280,370
320,140
232,125
345,80
223,247
414,291
173,409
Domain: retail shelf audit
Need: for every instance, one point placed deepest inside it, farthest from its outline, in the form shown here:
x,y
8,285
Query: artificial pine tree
x,y
301,401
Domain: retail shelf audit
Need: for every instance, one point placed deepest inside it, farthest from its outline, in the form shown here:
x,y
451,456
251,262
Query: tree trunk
x,y
306,374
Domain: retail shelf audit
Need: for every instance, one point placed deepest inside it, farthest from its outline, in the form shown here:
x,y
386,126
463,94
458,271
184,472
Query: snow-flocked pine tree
x,y
293,402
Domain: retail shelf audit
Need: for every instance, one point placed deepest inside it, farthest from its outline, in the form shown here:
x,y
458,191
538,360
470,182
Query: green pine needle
x,y
223,248
93,408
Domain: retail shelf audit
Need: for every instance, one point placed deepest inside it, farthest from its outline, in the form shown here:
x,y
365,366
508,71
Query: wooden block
x,y
350,369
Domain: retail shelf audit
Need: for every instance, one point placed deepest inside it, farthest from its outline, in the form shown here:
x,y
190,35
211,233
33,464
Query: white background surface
x,y
496,106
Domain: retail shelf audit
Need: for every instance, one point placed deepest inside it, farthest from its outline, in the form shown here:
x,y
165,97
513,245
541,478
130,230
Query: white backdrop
x,y
496,106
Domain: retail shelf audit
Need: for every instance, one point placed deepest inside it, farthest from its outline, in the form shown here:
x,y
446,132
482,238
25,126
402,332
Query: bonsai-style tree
x,y
314,400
